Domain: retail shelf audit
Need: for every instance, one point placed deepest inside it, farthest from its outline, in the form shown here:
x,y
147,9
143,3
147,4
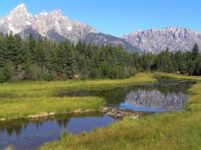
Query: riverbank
x,y
169,131
39,99
177,76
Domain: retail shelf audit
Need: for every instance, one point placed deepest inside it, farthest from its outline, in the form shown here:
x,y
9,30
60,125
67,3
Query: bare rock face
x,y
16,20
46,23
158,40
19,21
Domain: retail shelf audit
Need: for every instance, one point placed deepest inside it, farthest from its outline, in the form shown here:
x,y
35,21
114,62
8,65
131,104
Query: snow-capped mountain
x,y
55,26
157,40
46,24
17,20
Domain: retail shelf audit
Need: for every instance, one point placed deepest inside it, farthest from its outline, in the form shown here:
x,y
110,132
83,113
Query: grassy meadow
x,y
33,107
23,99
165,131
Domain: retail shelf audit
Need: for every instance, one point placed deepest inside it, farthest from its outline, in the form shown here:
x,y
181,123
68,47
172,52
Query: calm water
x,y
166,95
29,135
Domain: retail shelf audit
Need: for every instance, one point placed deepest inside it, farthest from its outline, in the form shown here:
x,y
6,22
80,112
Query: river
x,y
163,96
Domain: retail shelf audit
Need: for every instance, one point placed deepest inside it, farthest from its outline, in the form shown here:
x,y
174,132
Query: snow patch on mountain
x,y
19,20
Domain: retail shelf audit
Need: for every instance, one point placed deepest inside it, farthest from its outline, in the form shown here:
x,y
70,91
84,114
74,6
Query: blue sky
x,y
119,17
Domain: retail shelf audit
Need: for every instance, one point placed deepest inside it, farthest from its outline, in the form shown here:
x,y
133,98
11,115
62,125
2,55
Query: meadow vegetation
x,y
167,131
22,99
177,76
42,107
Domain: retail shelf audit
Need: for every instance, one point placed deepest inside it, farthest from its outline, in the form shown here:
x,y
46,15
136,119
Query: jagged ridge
x,y
159,39
20,21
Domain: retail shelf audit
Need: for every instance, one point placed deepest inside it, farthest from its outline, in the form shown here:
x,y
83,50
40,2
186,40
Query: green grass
x,y
49,88
20,100
166,131
177,76
24,107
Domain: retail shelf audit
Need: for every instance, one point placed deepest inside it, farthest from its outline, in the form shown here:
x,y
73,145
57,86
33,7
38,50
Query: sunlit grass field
x,y
27,107
20,100
166,131
50,88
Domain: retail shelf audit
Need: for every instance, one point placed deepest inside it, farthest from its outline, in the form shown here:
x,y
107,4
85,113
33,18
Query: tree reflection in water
x,y
15,127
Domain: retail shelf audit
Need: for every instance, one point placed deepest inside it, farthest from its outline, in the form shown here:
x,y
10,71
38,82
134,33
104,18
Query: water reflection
x,y
30,134
154,101
165,90
14,128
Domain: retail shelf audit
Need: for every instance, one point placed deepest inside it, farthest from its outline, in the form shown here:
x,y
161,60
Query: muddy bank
x,y
120,114
49,114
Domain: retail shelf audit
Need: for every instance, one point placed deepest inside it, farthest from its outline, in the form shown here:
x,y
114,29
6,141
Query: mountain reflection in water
x,y
154,101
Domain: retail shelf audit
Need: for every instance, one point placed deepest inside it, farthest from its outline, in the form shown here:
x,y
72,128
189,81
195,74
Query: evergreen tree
x,y
195,51
43,59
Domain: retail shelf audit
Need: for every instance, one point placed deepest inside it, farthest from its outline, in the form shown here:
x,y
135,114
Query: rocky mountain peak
x,y
20,8
19,12
157,40
47,24
16,20
57,12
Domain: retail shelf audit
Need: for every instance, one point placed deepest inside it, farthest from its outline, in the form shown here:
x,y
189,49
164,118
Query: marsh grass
x,y
166,131
50,88
177,76
24,107
20,100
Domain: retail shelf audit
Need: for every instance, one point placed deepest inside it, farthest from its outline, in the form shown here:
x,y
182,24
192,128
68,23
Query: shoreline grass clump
x,y
167,131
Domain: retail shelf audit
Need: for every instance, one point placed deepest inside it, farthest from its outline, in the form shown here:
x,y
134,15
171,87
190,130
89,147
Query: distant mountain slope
x,y
102,39
158,40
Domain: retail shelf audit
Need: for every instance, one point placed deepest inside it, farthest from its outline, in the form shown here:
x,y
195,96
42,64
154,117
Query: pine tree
x,y
2,51
195,51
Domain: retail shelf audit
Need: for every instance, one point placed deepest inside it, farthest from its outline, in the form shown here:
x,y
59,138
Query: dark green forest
x,y
43,59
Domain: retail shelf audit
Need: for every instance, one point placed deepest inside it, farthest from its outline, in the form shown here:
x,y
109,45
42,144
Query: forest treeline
x,y
43,59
